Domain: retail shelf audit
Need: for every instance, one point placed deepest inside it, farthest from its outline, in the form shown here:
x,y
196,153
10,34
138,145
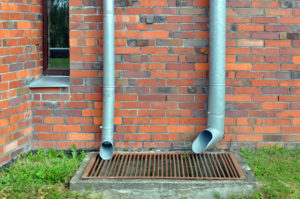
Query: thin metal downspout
x,y
107,145
216,99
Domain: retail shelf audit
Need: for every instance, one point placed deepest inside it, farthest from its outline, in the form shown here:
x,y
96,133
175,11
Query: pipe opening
x,y
202,141
106,150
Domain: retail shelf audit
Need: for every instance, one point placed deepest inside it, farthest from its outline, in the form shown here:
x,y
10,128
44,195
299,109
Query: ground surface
x,y
46,174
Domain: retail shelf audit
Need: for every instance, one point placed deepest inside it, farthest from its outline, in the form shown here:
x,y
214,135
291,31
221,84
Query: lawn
x,y
277,170
46,174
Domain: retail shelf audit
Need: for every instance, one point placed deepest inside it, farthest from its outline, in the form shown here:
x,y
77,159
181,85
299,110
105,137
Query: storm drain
x,y
189,166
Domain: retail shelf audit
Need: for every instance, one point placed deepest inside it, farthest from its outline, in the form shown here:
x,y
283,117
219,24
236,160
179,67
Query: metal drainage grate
x,y
218,166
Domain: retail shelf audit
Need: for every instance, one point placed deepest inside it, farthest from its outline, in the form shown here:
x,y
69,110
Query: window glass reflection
x,y
59,34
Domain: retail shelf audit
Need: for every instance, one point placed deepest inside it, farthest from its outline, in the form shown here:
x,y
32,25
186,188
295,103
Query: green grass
x,y
59,63
44,174
277,170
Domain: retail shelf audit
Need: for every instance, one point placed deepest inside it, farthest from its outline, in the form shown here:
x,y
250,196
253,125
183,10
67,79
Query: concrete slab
x,y
167,189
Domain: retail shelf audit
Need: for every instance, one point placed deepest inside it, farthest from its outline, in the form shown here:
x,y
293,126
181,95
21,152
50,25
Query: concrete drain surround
x,y
119,179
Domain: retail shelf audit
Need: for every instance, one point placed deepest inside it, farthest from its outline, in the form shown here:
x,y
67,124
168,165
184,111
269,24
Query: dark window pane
x,y
59,34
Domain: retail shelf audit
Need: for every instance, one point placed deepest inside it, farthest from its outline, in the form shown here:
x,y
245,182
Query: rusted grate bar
x,y
189,166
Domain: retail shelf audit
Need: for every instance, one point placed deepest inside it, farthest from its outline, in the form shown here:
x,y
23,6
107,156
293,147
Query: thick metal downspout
x,y
107,145
216,99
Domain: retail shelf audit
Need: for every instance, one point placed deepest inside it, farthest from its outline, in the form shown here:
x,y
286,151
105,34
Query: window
x,y
56,53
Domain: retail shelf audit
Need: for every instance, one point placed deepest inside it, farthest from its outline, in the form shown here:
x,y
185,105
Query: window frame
x,y
46,69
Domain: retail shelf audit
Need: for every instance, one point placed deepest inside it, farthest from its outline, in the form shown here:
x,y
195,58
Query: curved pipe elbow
x,y
206,139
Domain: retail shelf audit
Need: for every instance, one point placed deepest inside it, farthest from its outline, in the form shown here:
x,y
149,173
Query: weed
x,y
43,174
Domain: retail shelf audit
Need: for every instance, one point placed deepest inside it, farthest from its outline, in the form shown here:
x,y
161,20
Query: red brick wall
x,y
20,61
162,76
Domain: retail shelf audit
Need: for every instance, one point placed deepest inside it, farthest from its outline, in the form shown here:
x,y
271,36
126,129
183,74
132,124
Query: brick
x,y
51,136
274,106
290,98
54,120
265,20
202,66
249,138
137,137
180,19
165,137
296,121
88,112
289,20
152,113
264,35
143,120
239,129
238,67
251,58
9,147
192,11
238,98
264,83
238,51
289,113
278,12
277,75
276,43
66,128
277,121
127,34
238,19
152,129
294,129
154,3
295,138
265,51
296,43
166,121
250,43
244,90
266,67
163,105
193,121
164,58
250,11
180,82
264,4
289,83
237,4
179,113
264,98
276,138
278,59
296,59
42,128
249,121
4,159
156,34
78,120
244,27
80,136
181,129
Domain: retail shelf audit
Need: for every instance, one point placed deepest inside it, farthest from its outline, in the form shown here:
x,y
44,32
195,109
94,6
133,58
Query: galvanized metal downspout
x,y
107,145
216,99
